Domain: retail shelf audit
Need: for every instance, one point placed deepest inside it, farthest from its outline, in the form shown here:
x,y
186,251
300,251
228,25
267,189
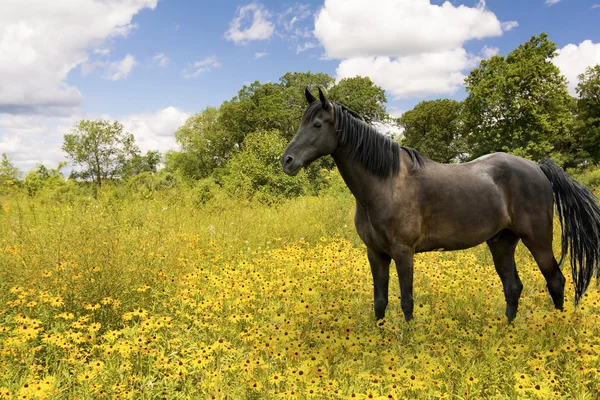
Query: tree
x,y
204,144
588,113
433,128
518,104
7,169
255,170
102,149
138,164
9,174
42,177
361,95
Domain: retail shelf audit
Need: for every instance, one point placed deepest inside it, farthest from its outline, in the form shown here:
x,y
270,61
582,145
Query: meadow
x,y
161,296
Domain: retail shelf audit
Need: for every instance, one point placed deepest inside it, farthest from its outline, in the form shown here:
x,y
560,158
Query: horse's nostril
x,y
288,160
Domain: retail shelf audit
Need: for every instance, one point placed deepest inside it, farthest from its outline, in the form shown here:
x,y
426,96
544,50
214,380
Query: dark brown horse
x,y
407,203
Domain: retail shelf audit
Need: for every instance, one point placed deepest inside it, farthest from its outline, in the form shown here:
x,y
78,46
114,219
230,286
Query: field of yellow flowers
x,y
154,299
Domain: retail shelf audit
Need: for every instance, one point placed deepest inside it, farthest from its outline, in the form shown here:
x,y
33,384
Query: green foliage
x,y
361,95
42,178
255,171
139,164
146,185
434,128
9,174
588,114
519,104
102,149
205,145
209,140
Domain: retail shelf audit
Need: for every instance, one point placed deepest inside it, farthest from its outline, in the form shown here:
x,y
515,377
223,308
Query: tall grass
x,y
161,295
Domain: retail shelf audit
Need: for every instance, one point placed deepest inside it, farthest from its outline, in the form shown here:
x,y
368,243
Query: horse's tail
x,y
579,216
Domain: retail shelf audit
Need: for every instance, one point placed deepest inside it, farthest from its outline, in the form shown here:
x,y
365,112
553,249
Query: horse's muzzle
x,y
290,165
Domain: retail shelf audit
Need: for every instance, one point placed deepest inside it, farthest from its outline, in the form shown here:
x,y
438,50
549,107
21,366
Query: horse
x,y
407,203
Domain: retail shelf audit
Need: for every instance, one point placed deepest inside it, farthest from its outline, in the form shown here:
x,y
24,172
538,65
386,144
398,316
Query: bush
x,y
255,171
588,176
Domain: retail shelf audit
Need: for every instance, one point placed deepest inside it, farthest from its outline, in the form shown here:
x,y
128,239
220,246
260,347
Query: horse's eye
x,y
317,125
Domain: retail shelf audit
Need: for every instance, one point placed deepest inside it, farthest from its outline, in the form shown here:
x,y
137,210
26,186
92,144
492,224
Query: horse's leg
x,y
541,249
503,252
380,268
404,267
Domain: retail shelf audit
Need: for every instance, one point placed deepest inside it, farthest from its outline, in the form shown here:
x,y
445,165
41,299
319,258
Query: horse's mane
x,y
375,151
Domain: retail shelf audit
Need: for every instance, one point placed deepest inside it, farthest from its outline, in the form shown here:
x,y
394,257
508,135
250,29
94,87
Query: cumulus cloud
x,y
155,131
411,48
572,60
161,59
120,69
32,139
40,43
489,51
354,28
412,76
509,25
201,66
257,17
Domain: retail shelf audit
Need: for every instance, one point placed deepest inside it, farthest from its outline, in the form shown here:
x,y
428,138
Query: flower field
x,y
152,300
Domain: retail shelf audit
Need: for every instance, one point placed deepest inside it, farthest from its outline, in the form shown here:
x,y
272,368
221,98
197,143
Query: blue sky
x,y
150,64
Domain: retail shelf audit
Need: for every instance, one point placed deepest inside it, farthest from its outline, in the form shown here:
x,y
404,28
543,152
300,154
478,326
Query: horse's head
x,y
315,138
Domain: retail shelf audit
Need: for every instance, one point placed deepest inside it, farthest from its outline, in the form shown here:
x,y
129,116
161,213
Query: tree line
x,y
518,103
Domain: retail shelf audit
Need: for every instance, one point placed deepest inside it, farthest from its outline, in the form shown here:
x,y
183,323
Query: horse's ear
x,y
309,97
324,101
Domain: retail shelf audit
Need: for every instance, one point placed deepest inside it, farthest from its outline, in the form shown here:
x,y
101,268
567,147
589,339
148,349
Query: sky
x,y
150,64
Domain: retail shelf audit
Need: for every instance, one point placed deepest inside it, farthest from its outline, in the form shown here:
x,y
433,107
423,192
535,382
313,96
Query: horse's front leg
x,y
404,266
380,268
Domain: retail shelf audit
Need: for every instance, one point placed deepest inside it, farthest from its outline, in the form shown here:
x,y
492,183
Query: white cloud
x,y
32,139
415,75
261,54
260,28
161,59
410,48
389,129
40,43
120,69
509,25
574,59
155,131
305,46
355,28
489,51
551,2
201,66
595,6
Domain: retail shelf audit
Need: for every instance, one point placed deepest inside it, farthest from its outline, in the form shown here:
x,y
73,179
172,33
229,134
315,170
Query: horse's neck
x,y
359,180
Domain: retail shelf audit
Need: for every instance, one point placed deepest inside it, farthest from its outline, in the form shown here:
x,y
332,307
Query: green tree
x,y
361,95
255,170
205,145
7,168
519,104
102,149
9,174
433,127
588,113
139,164
44,178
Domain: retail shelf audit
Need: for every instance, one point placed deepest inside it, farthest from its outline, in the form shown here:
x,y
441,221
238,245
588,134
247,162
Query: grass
x,y
163,298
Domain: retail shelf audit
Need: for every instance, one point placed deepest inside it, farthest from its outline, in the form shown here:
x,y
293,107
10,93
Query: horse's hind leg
x,y
541,249
380,268
503,252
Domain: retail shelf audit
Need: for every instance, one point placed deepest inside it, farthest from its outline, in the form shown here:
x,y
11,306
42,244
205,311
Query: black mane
x,y
373,150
